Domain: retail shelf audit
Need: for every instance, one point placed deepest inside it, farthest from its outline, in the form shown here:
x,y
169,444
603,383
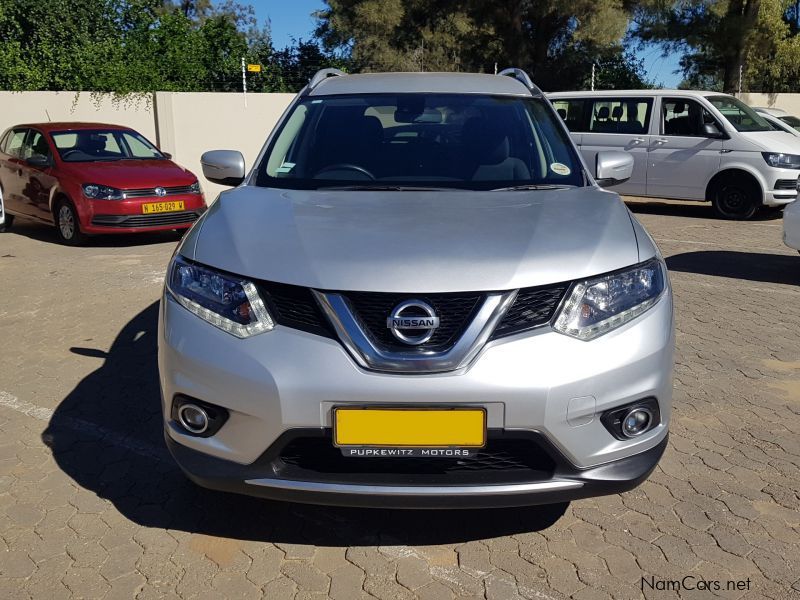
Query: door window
x,y
620,115
571,112
14,141
683,117
36,145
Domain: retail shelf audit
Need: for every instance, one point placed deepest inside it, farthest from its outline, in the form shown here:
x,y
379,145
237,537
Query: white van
x,y
687,145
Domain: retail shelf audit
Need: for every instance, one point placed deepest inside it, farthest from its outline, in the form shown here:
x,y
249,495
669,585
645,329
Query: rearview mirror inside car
x,y
225,167
613,167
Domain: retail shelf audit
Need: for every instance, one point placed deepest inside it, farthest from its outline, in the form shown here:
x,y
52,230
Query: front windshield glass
x,y
738,114
99,145
791,121
463,141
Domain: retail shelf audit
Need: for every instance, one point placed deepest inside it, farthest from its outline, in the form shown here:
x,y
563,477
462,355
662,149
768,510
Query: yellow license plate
x,y
161,207
410,427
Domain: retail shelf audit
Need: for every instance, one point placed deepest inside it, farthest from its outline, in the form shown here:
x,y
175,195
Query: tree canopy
x,y
128,46
132,46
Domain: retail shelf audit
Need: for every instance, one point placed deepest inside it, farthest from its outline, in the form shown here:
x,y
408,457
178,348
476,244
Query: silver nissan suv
x,y
419,296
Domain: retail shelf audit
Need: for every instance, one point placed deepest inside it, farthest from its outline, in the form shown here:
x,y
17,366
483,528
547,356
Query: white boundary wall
x,y
183,124
188,124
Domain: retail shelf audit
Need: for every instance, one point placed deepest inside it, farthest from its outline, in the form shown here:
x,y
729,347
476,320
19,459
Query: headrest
x,y
603,112
485,141
617,113
562,112
679,107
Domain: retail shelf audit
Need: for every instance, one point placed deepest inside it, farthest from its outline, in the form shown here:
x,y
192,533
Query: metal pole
x,y
592,76
244,83
741,68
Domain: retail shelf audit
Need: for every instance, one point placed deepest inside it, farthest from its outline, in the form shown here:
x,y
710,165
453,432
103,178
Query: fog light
x,y
636,421
193,418
633,419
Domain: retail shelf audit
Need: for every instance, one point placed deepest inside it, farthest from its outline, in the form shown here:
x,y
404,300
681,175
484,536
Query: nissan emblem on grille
x,y
413,322
160,192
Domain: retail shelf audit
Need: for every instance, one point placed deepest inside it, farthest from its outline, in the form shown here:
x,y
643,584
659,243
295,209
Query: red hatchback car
x,y
90,178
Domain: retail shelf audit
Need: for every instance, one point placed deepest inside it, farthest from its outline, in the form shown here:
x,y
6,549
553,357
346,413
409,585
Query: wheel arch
x,y
734,171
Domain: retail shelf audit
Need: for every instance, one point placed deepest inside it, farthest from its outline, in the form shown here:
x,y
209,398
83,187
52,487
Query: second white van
x,y
687,145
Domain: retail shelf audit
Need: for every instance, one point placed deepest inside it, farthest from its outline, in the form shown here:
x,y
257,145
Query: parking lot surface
x,y
91,504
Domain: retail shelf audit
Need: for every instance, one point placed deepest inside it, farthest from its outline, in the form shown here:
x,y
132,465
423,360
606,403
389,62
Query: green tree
x,y
472,35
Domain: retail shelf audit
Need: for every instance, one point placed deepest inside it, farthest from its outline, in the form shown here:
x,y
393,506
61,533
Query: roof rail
x,y
323,74
522,77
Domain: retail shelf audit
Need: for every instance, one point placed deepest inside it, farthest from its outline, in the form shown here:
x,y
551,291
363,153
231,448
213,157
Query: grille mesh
x,y
532,307
156,220
317,454
294,306
148,192
455,312
786,184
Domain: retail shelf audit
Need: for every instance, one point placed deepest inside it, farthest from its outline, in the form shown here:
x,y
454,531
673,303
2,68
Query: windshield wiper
x,y
382,188
532,186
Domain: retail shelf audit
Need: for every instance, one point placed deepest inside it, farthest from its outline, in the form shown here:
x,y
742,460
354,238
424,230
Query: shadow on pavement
x,y
751,266
692,209
107,435
41,232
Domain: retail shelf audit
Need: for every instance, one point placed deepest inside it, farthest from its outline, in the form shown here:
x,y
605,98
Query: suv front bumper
x,y
540,383
567,482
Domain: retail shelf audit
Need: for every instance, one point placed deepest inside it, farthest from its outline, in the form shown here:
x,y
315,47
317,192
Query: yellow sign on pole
x,y
254,68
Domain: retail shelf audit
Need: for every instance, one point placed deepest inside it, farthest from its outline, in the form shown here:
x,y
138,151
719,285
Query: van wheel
x,y
736,199
67,225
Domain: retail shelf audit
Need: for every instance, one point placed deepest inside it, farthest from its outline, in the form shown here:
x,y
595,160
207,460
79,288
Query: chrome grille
x,y
151,192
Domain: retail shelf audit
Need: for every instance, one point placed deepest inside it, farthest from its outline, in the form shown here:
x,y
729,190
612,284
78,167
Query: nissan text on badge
x,y
419,296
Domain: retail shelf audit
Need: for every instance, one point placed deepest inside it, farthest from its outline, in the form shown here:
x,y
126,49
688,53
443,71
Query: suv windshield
x,y
738,114
95,145
464,141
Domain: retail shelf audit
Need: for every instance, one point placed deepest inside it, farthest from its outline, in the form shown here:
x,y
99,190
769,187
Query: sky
x,y
291,19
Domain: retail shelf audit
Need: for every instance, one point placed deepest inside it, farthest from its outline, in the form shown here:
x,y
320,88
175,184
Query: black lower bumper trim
x,y
569,483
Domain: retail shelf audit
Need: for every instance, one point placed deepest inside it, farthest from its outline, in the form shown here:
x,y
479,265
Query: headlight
x,y
782,161
226,301
195,188
601,304
101,192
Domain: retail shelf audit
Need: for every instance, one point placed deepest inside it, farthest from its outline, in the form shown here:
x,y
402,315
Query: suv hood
x,y
410,241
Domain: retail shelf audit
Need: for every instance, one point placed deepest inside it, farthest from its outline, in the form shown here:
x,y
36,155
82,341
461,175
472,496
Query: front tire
x,y
67,224
737,199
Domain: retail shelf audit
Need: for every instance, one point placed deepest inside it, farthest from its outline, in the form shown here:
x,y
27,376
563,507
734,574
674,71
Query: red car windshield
x,y
96,145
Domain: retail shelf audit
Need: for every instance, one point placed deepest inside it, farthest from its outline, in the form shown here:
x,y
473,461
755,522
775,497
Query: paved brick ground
x,y
91,506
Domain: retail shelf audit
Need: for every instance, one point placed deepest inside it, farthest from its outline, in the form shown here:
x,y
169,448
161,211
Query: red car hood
x,y
132,174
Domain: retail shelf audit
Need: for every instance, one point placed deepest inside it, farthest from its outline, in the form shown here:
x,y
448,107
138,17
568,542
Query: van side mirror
x,y
225,167
710,130
613,167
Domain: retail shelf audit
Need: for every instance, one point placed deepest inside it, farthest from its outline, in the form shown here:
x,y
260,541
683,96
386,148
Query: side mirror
x,y
38,160
166,155
710,130
225,167
613,167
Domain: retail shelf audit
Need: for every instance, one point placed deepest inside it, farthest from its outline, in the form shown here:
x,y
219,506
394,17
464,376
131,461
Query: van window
x,y
571,112
620,115
684,117
738,114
